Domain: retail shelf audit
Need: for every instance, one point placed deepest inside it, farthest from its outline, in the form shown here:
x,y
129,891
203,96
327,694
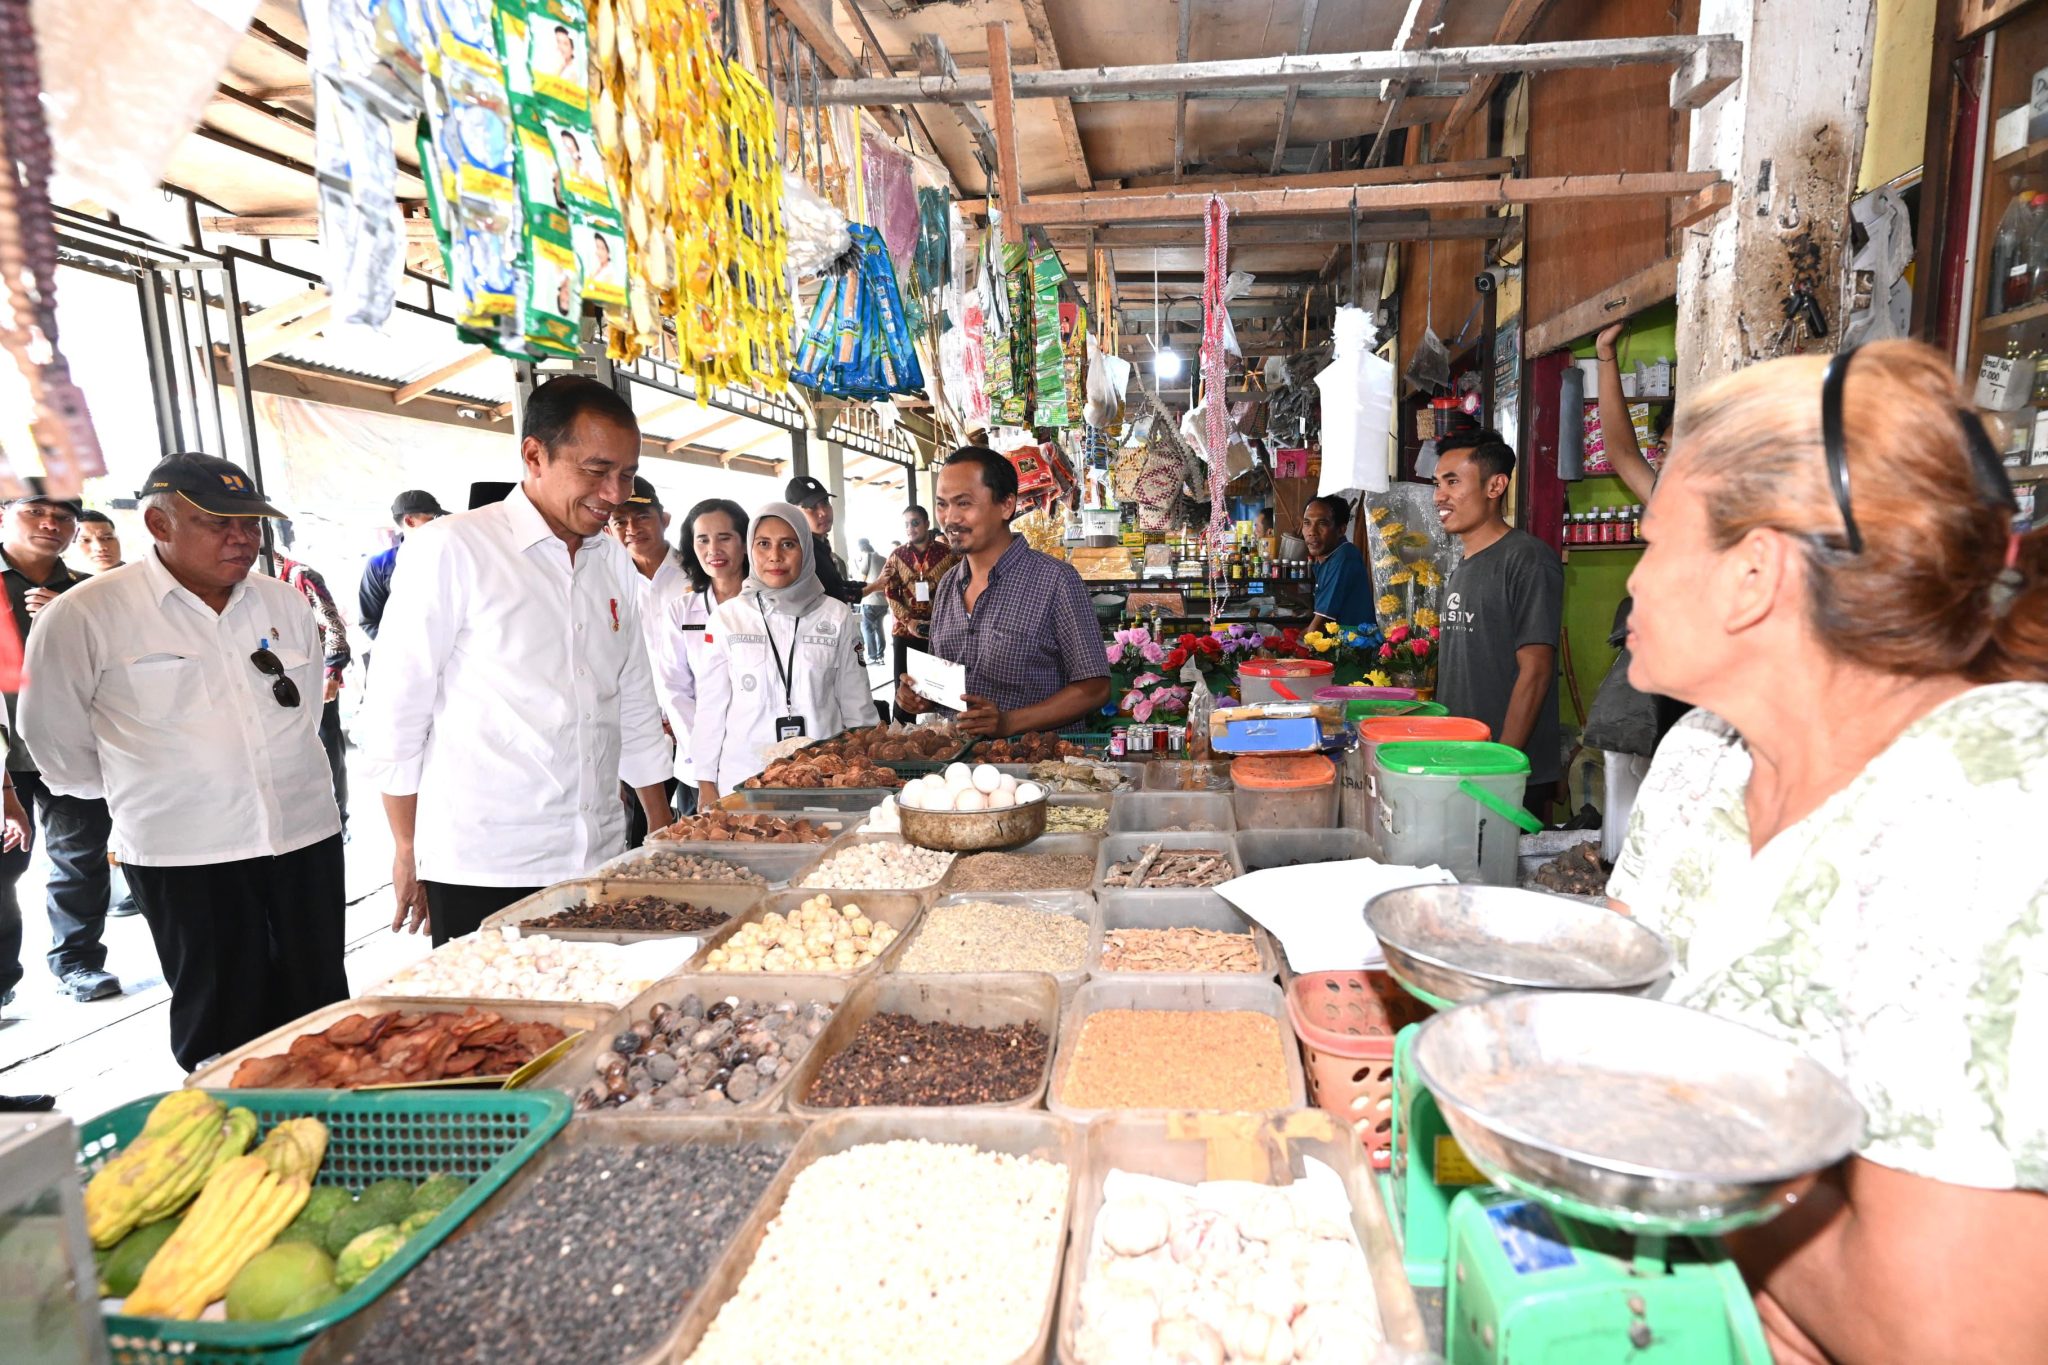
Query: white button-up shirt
x,y
509,691
141,693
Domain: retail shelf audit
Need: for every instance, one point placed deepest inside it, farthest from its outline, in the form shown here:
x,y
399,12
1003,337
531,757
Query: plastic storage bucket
x,y
1369,709
1454,803
1359,808
1284,791
1255,680
1359,692
1346,1022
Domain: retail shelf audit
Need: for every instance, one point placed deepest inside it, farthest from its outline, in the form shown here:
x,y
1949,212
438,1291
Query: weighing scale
x,y
1565,1152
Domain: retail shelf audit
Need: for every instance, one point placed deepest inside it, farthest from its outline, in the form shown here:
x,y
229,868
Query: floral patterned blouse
x,y
1899,933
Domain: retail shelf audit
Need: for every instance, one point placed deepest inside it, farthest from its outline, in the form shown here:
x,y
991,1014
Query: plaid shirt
x,y
333,630
907,567
1032,631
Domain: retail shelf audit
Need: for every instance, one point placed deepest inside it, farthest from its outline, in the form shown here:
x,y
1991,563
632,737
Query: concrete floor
x,y
95,1056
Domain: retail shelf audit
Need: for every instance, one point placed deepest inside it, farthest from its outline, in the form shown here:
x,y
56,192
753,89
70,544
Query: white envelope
x,y
937,681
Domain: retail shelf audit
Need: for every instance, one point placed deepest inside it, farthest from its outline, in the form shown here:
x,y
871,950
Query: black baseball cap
x,y
415,502
644,492
209,483
802,489
35,494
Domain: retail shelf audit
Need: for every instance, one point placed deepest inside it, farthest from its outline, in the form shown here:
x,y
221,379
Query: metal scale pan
x,y
1452,944
1633,1113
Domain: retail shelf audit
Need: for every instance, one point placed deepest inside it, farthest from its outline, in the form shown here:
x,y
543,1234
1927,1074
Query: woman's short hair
x,y
699,579
1920,597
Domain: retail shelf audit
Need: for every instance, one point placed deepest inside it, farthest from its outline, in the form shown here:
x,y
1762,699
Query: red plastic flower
x,y
1435,632
1187,641
1386,651
1397,635
1209,645
1176,659
1419,648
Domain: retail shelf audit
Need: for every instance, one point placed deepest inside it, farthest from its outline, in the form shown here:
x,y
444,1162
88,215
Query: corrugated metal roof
x,y
408,348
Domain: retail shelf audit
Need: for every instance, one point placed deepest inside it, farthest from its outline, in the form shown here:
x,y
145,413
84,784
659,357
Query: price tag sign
x,y
2003,382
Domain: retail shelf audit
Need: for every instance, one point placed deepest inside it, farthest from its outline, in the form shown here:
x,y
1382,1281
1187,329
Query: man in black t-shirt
x,y
809,496
1502,613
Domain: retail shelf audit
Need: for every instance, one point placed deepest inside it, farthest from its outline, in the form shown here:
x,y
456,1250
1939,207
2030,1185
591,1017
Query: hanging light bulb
x,y
1166,363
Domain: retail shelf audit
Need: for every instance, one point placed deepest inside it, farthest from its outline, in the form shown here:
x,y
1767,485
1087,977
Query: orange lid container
x,y
1282,772
1398,729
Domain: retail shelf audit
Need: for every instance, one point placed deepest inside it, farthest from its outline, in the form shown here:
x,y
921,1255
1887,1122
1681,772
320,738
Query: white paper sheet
x,y
941,683
1317,910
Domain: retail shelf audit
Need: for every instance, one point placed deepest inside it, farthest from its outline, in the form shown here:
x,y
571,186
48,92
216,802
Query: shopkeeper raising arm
x,y
1843,844
1019,620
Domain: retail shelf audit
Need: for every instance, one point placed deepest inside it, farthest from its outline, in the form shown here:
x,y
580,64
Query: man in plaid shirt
x,y
334,645
910,581
1019,620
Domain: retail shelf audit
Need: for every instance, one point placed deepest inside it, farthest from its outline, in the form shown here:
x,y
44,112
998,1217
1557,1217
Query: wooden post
x,y
1009,190
1789,138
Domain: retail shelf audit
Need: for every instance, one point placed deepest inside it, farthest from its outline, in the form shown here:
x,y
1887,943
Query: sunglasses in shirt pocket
x,y
163,686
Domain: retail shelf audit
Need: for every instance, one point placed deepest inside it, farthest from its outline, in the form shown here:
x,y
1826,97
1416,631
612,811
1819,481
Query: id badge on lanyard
x,y
790,726
924,591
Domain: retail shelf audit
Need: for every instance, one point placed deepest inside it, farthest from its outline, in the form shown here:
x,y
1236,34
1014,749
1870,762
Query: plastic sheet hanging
x,y
856,344
1357,390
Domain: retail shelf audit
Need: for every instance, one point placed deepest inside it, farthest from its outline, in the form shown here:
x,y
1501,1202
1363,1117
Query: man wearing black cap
x,y
413,508
640,523
808,496
185,691
38,530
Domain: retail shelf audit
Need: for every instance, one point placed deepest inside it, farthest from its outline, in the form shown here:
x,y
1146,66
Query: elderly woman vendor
x,y
1845,841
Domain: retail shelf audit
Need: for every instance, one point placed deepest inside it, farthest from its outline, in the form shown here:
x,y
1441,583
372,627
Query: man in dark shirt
x,y
412,508
38,530
807,495
1020,621
1344,594
1503,609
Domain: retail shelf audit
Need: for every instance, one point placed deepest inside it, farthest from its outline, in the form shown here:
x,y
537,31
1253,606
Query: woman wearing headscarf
x,y
779,662
1843,841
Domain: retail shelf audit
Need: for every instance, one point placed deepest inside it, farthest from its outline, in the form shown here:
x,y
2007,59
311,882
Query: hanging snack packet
x,y
553,297
1049,357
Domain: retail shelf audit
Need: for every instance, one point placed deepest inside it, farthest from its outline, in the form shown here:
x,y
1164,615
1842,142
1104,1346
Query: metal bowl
x,y
972,831
1634,1113
1453,944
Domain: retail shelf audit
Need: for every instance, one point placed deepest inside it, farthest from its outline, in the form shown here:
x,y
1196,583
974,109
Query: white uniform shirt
x,y
741,692
509,691
141,693
668,585
685,628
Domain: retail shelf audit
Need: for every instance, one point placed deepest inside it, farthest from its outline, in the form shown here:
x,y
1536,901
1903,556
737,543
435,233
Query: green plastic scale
x,y
1532,1274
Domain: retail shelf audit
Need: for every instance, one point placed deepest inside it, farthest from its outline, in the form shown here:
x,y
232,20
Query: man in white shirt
x,y
509,693
185,691
640,523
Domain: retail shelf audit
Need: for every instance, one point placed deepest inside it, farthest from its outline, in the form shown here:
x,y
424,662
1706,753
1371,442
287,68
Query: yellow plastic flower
x,y
1324,644
1387,605
1425,618
1392,529
1378,678
1385,562
1397,623
1400,576
1379,514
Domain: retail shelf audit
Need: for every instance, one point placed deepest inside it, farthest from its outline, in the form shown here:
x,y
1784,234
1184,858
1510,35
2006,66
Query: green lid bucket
x,y
1379,708
1452,758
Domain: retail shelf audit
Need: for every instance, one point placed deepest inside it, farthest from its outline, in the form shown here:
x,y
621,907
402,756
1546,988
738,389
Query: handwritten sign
x,y
2003,382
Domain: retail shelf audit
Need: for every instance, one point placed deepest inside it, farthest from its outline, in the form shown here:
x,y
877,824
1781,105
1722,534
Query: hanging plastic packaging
x,y
1357,390
856,344
1048,356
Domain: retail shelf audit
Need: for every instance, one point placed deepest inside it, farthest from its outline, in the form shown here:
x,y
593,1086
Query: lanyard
x,y
785,672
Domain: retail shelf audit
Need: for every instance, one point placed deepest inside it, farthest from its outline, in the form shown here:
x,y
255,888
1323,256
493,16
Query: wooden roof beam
x,y
279,225
701,432
816,30
1348,71
1185,204
434,379
1418,30
1314,232
1008,187
1308,26
1514,26
1180,99
1389,175
1048,55
289,335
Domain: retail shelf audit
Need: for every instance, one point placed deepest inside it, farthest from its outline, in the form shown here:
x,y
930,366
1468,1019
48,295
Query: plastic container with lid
x,y
1256,680
1369,709
1455,803
1284,791
1167,812
1361,692
1359,805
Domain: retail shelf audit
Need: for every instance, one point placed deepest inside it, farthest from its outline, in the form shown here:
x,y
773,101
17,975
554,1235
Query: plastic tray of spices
x,y
1171,812
413,1134
1177,910
775,864
1185,994
1015,1132
1264,848
609,1130
1133,775
1192,1149
1075,845
805,803
1100,803
573,1020
1188,775
979,999
729,898
1121,848
900,910
853,841
577,1067
1080,905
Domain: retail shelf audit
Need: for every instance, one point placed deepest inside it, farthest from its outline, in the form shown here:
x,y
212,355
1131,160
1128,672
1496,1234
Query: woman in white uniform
x,y
780,662
713,549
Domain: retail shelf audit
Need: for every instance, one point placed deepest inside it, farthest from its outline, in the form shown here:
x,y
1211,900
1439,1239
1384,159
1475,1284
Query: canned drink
x,y
1117,742
1139,740
1159,734
1176,739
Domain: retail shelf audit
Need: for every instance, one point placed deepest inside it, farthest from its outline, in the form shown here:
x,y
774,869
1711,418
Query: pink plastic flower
x,y
1152,653
1143,710
1147,680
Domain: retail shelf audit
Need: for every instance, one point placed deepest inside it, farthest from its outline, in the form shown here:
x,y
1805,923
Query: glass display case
x,y
49,1287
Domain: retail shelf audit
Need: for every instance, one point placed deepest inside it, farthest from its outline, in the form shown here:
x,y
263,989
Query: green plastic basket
x,y
484,1137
